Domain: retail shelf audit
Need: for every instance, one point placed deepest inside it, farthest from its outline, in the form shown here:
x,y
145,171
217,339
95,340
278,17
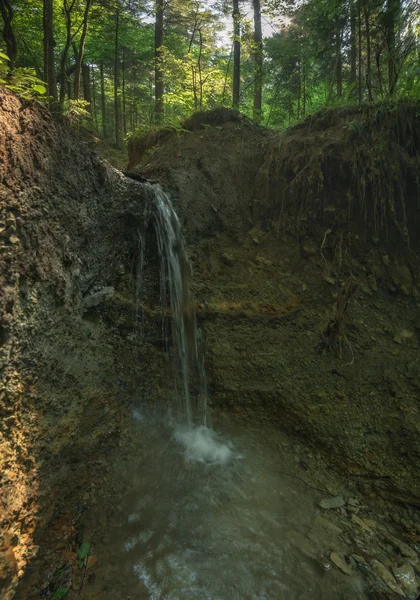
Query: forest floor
x,y
345,407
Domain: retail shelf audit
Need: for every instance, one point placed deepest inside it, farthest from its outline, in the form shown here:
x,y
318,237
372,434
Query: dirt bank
x,y
65,227
310,318
310,313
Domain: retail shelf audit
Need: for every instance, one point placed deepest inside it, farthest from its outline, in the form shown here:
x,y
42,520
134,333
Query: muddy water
x,y
208,516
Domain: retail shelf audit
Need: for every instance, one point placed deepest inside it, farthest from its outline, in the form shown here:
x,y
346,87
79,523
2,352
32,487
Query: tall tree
x,y
159,83
9,37
68,8
81,50
236,54
258,58
393,10
49,43
117,103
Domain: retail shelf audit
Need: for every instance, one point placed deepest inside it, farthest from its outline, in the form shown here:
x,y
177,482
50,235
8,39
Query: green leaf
x,y
3,55
59,594
41,89
82,553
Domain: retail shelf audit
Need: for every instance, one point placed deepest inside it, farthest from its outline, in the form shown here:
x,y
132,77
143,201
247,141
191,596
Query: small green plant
x,y
22,81
60,594
82,554
77,114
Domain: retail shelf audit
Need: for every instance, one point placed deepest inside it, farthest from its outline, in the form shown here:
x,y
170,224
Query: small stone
x,y
91,561
227,259
303,544
372,282
97,297
406,578
324,563
353,502
263,261
385,260
304,287
387,577
10,221
340,563
13,239
328,503
328,278
359,559
86,496
401,546
320,522
368,524
309,250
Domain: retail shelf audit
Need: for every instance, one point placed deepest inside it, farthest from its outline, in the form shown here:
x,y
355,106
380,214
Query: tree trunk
x,y
49,43
124,102
103,100
117,107
339,62
94,109
236,54
299,90
200,70
359,27
353,45
392,12
68,9
368,54
87,92
159,85
9,37
81,50
258,58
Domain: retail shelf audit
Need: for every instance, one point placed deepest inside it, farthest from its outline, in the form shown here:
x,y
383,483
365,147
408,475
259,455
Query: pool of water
x,y
211,516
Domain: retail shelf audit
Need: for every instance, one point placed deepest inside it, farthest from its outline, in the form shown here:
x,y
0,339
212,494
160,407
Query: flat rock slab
x,y
336,502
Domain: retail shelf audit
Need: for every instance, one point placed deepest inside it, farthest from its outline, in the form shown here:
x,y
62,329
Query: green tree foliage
x,y
100,60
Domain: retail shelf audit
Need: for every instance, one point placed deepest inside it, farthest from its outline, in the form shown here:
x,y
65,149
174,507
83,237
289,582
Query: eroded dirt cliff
x,y
310,318
306,275
64,220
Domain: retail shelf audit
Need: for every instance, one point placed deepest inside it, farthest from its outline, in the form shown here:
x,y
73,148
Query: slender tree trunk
x,y
299,91
353,45
124,103
103,100
68,9
200,70
359,27
303,88
159,84
392,12
379,70
94,109
117,106
339,62
81,50
258,58
236,54
194,83
49,43
368,53
87,91
9,37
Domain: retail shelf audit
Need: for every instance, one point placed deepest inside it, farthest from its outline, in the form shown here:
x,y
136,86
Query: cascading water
x,y
184,349
200,518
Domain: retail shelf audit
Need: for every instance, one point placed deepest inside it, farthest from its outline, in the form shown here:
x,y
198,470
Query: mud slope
x,y
66,233
310,313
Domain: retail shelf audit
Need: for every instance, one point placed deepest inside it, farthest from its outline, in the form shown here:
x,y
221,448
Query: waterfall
x,y
183,345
